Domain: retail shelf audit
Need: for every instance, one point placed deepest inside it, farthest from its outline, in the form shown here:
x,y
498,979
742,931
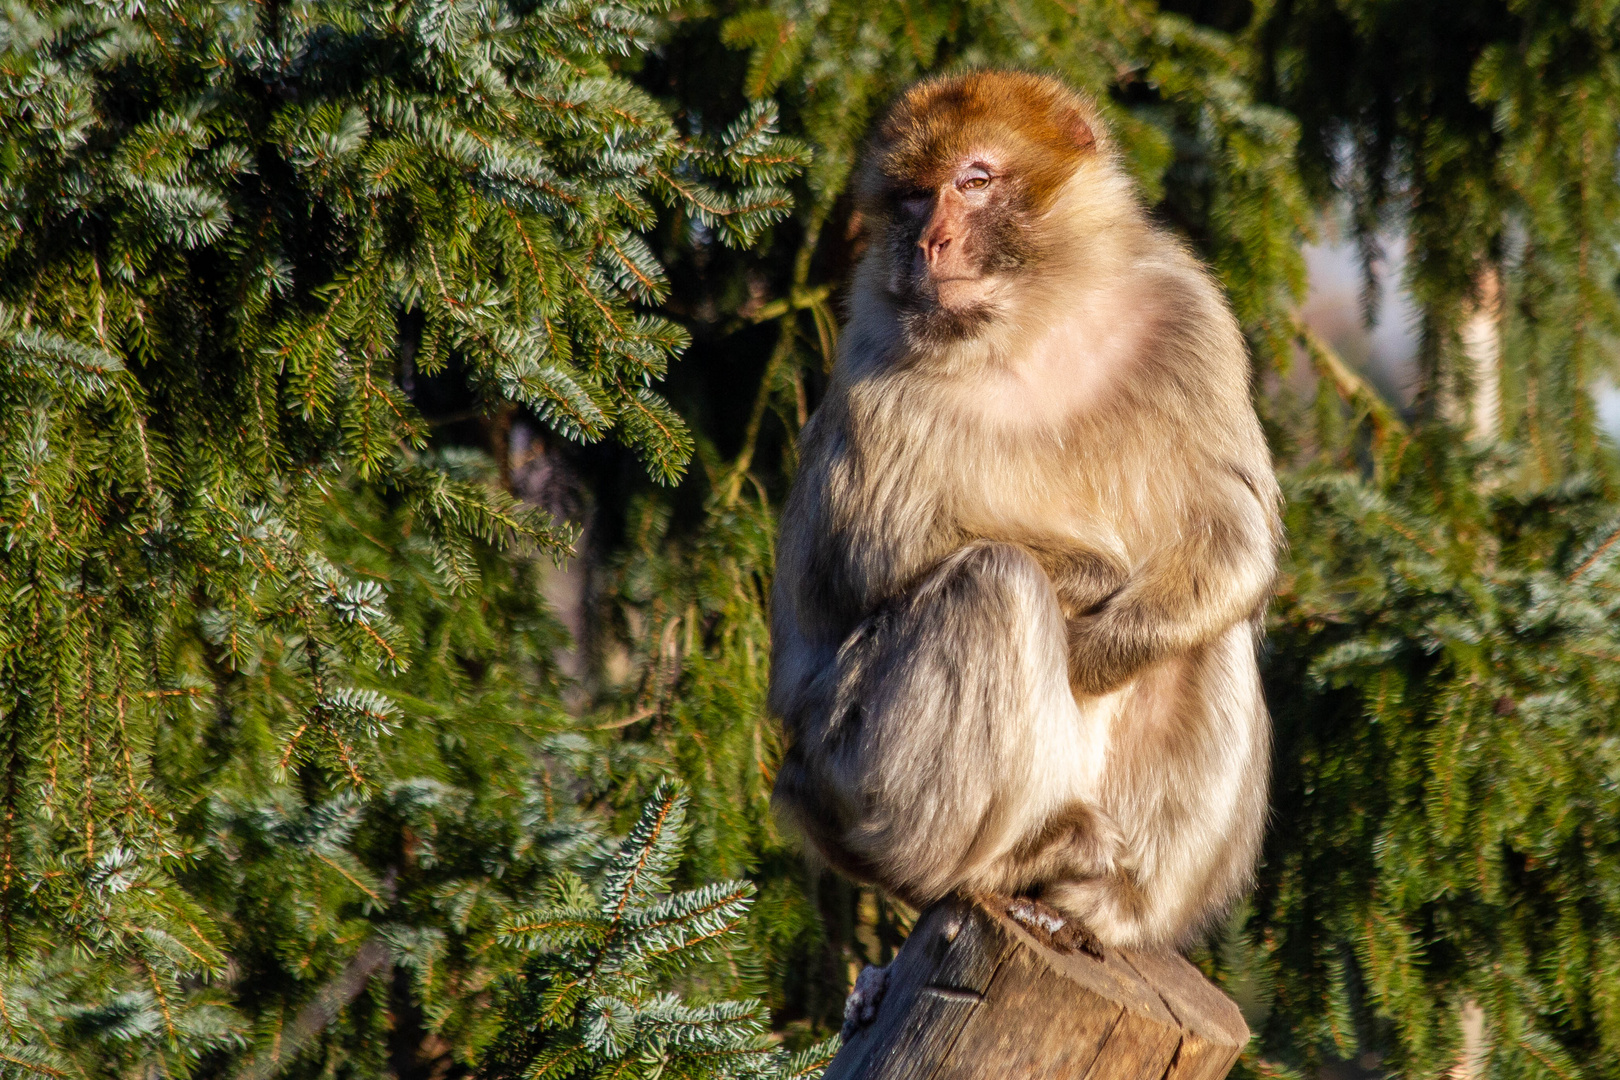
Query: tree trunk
x,y
1479,407
976,994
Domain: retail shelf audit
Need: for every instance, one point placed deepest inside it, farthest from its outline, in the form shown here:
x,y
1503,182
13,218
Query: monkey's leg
x,y
1186,783
953,733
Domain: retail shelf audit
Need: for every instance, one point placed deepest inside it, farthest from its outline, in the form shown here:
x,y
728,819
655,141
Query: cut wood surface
x,y
975,994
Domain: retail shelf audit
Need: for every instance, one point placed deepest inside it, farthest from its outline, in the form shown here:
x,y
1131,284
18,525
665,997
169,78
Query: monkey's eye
x,y
974,183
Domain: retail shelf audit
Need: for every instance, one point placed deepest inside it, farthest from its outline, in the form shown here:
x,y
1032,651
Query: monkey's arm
x,y
1215,573
802,681
1084,579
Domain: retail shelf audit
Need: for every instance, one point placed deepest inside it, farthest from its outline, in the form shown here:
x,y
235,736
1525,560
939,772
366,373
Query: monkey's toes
x,y
861,1007
1052,928
1077,935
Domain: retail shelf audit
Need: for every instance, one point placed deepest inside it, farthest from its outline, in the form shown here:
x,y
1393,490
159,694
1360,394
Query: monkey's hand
x,y
1083,579
1216,574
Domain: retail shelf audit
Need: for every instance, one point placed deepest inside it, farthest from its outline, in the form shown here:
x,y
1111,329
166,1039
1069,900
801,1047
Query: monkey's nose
x,y
933,246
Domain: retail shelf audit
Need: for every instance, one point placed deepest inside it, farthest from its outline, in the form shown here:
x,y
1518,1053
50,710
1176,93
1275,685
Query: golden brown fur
x,y
1020,574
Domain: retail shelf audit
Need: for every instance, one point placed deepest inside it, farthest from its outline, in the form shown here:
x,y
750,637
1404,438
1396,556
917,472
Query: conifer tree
x,y
1484,133
1444,662
288,764
588,1006
274,673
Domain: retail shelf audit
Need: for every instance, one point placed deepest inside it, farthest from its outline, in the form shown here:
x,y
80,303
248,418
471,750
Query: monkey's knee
x,y
996,562
988,612
994,583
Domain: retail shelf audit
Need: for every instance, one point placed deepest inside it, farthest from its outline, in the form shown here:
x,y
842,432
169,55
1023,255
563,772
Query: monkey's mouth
x,y
957,292
935,318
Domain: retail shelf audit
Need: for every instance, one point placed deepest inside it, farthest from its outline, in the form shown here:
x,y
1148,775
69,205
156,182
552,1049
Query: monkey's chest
x,y
897,508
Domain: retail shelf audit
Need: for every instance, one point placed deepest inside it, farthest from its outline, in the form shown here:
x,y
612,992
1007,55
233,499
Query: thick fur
x,y
1021,571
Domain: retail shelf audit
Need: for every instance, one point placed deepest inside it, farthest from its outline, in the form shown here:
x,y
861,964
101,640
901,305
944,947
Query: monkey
x,y
1023,565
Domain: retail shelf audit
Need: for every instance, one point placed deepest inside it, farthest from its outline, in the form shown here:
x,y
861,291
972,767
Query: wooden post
x,y
974,995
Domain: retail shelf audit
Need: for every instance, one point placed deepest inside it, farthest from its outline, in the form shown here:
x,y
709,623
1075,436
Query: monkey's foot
x,y
1052,928
861,1007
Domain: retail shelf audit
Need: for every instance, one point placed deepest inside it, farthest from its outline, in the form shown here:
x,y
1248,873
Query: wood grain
x,y
975,995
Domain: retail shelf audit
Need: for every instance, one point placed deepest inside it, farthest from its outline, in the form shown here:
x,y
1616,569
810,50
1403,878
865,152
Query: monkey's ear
x,y
1080,132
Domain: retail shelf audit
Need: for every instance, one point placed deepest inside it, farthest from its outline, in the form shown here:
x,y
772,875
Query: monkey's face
x,y
960,175
955,246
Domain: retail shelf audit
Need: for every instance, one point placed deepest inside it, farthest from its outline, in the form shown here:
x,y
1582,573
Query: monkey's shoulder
x,y
1189,329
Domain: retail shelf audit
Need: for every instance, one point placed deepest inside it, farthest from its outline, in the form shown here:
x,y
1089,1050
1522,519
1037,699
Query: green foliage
x,y
1445,685
1416,557
275,678
458,826
1485,131
305,883
693,611
588,1005
1442,666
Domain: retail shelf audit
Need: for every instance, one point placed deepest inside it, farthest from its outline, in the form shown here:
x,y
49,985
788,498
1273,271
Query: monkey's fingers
x,y
1075,934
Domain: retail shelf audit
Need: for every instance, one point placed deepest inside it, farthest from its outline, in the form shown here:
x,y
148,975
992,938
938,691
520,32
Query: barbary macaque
x,y
1021,573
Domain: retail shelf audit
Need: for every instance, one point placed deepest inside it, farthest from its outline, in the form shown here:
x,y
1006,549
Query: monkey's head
x,y
959,180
